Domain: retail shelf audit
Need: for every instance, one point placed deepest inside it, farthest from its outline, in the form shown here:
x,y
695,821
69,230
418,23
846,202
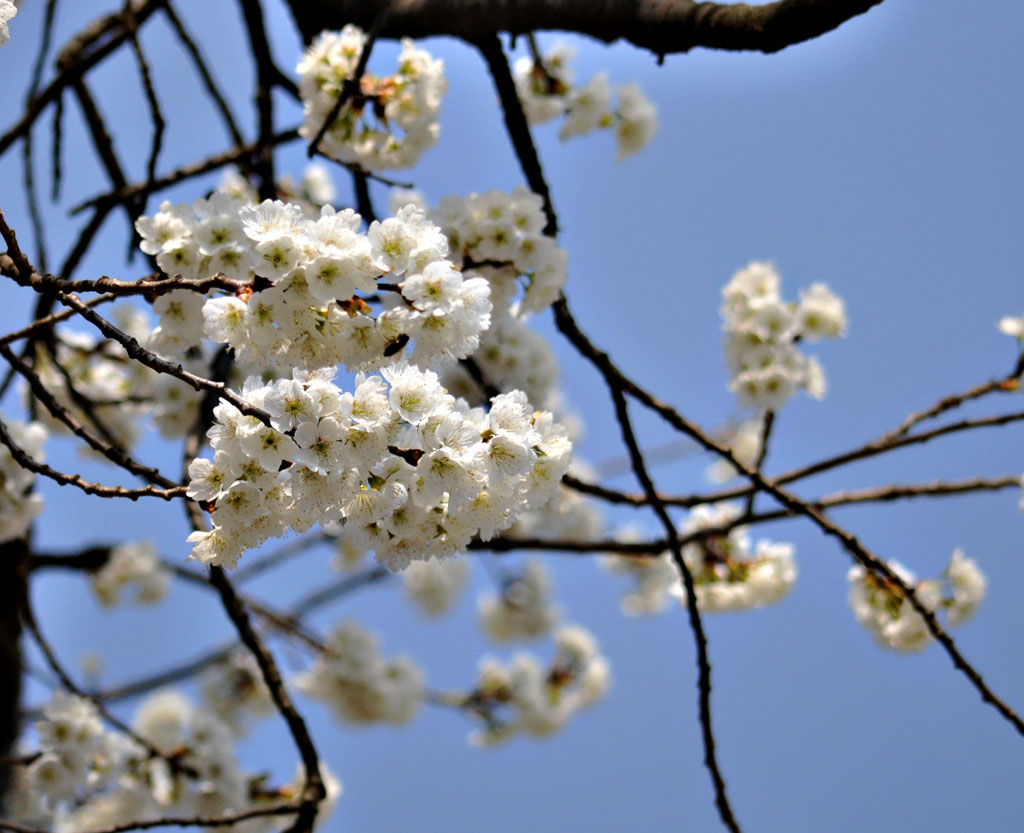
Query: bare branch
x,y
696,626
87,49
54,318
109,450
62,479
205,75
267,75
314,791
175,821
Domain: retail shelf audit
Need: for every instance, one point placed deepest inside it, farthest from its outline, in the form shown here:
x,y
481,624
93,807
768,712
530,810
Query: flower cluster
x,y
881,607
358,684
1012,327
304,311
546,91
364,131
412,472
7,12
569,515
744,441
729,573
18,503
434,585
312,192
86,777
541,700
135,564
523,610
233,689
76,753
95,381
762,331
501,236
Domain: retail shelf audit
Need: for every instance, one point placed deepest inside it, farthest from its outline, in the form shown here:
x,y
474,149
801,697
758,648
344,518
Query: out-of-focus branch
x,y
205,75
236,155
48,321
15,557
267,74
29,618
175,821
109,450
80,54
155,113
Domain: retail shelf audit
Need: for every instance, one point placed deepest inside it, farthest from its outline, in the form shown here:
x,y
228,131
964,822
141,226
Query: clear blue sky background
x,y
883,159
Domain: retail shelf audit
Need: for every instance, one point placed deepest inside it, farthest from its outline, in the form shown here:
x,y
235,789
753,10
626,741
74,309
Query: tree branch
x,y
660,26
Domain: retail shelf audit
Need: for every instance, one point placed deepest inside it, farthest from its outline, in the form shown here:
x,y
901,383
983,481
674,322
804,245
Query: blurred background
x,y
882,159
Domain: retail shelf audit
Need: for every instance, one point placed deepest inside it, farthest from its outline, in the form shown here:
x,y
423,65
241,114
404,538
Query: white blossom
x,y
968,588
133,564
392,120
523,610
19,504
7,12
523,697
358,684
762,332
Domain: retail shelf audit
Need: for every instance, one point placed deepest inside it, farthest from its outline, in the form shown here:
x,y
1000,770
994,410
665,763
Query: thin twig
x,y
296,612
54,318
84,51
111,451
175,821
62,479
314,791
205,75
1007,384
236,155
767,421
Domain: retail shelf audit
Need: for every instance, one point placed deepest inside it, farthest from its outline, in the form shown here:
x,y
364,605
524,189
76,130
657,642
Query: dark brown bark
x,y
662,26
14,563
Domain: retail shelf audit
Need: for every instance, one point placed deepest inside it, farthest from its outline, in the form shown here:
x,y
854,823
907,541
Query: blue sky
x,y
882,159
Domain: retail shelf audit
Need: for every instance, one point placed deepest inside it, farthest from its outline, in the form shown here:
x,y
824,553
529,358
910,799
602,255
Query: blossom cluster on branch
x,y
7,12
19,504
883,609
364,131
729,573
762,332
547,91
87,777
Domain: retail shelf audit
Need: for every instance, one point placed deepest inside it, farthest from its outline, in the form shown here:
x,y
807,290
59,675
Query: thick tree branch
x,y
661,26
